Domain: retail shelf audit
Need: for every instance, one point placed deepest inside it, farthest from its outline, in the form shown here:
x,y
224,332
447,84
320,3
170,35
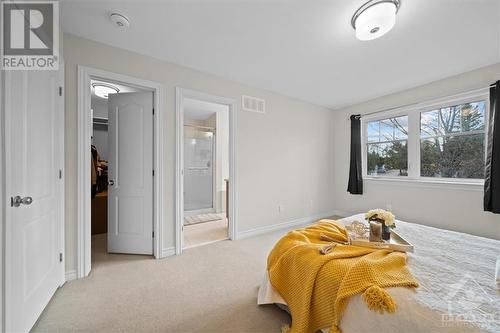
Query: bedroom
x,y
291,75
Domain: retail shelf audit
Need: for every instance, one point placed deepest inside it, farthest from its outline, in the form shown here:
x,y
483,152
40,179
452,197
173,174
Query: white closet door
x,y
130,173
34,269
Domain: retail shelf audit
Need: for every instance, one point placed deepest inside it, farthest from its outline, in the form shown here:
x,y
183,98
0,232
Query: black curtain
x,y
355,185
492,169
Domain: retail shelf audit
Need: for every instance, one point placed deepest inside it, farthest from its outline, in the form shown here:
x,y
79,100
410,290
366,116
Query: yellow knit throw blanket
x,y
317,287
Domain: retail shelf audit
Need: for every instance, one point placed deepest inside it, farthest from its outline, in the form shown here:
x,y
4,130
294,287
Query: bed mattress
x,y
457,293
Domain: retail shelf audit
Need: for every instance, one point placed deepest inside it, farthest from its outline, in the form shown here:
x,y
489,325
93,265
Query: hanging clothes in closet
x,y
99,175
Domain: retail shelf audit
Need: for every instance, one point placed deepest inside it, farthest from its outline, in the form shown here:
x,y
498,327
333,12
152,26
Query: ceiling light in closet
x,y
102,90
375,18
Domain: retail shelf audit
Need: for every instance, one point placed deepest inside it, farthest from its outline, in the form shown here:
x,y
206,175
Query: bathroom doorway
x,y
205,169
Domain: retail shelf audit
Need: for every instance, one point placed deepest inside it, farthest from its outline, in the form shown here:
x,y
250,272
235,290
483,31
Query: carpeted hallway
x,y
211,288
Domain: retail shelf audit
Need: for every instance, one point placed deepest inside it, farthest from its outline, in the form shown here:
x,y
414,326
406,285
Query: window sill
x,y
477,185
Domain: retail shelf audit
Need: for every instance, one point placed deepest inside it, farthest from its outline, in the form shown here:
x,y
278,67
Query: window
x,y
452,141
442,140
387,147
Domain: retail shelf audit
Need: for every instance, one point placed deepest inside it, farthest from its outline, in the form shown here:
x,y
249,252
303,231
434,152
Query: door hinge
x,y
153,234
60,91
153,173
153,110
60,257
60,174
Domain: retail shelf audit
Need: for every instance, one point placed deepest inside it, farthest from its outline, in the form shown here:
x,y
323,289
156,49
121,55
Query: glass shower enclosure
x,y
199,149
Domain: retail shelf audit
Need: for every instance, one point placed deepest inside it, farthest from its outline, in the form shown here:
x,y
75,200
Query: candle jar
x,y
375,231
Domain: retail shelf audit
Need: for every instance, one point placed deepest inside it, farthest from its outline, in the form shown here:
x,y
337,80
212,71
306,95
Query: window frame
x,y
414,113
366,143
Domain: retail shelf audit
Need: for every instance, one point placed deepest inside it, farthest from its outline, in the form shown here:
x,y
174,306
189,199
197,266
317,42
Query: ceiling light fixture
x,y
103,90
375,18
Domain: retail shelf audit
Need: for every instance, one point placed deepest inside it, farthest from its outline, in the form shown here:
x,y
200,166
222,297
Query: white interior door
x,y
33,150
130,173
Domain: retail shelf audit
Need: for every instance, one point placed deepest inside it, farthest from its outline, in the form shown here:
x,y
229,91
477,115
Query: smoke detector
x,y
119,20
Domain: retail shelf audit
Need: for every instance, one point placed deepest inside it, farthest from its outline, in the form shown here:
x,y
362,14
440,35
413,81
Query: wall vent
x,y
253,104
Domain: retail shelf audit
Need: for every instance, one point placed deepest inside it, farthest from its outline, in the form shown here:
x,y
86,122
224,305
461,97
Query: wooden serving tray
x,y
396,243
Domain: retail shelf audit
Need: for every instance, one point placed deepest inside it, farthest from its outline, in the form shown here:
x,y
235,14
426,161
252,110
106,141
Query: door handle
x,y
18,201
111,182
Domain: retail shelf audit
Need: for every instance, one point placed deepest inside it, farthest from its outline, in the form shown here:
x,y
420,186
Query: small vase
x,y
386,232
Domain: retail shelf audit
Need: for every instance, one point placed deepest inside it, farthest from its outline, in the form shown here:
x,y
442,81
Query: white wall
x,y
448,207
284,156
100,107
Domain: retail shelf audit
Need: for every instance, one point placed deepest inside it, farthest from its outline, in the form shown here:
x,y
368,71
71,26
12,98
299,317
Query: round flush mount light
x,y
375,18
103,90
119,20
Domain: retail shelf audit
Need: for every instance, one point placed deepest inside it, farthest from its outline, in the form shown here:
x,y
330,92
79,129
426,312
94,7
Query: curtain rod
x,y
426,101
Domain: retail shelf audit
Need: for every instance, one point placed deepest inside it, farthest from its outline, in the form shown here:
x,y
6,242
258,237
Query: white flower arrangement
x,y
382,216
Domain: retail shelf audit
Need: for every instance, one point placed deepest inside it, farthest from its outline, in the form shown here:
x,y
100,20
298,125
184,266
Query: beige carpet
x,y
203,233
208,289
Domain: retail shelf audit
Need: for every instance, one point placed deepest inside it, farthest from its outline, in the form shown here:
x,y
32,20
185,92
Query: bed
x,y
457,292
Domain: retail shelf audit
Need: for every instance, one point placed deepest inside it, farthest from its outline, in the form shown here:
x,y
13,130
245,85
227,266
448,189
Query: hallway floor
x,y
100,255
210,289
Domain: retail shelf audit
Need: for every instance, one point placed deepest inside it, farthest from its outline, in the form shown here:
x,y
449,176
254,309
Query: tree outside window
x,y
387,147
452,141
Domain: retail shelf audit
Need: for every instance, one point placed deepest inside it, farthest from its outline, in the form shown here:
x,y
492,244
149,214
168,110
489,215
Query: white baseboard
x,y
70,275
167,252
293,223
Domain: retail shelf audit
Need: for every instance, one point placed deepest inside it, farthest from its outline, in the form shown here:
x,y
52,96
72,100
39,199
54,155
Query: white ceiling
x,y
200,110
303,49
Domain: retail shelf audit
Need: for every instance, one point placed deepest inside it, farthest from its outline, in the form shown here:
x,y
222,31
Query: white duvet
x,y
457,293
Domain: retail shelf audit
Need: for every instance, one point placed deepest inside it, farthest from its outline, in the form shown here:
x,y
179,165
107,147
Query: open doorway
x,y
206,171
135,168
121,189
206,179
